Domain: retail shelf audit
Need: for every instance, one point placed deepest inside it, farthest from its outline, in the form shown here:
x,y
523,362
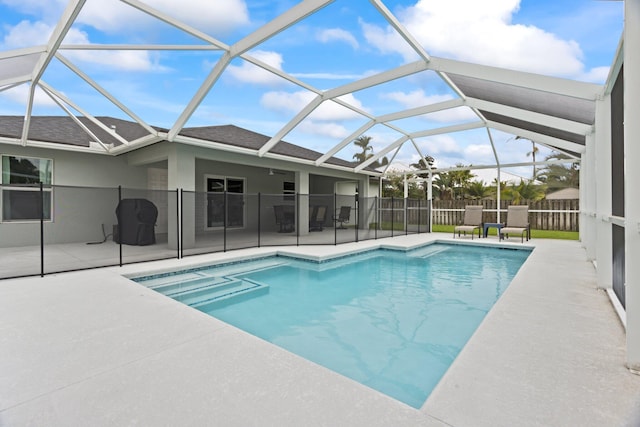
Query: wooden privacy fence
x,y
560,215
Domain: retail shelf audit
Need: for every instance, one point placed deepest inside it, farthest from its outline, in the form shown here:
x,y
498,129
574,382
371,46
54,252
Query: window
x,y
220,207
289,190
21,178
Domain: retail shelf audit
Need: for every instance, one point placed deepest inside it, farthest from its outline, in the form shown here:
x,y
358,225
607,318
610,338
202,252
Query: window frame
x,y
8,187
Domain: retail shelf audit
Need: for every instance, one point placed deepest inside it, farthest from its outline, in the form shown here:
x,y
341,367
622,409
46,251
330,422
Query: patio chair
x,y
342,217
318,217
285,216
471,222
517,222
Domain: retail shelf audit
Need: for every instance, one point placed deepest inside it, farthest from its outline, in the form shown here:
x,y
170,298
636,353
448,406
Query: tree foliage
x,y
558,176
364,143
526,190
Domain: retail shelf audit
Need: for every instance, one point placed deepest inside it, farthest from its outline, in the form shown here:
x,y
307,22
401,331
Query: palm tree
x,y
443,186
525,191
477,190
425,163
363,142
461,179
557,176
532,153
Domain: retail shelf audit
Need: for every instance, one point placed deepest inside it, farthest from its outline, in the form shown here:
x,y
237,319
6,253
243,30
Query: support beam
x,y
76,120
395,23
289,126
603,241
588,198
447,129
504,165
546,140
632,176
498,185
419,111
204,89
381,153
145,8
348,140
376,79
105,93
280,23
83,112
64,24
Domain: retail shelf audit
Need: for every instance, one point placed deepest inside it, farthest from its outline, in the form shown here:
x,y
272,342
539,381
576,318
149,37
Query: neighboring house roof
x,y
63,130
564,194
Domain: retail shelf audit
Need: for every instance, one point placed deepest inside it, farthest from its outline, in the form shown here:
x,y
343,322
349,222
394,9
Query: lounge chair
x,y
343,217
471,222
318,216
517,222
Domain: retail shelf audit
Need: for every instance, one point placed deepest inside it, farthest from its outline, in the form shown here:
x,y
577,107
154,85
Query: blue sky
x,y
343,42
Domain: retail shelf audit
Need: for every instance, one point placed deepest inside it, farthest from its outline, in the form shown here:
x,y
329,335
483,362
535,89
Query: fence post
x,y
180,225
392,214
375,201
224,223
357,205
259,210
335,223
41,209
297,220
119,223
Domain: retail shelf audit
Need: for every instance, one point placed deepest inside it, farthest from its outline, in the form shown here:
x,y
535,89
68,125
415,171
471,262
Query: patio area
x,y
94,348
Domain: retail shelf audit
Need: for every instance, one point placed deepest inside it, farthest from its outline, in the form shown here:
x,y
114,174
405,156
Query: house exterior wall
x,y
75,169
72,206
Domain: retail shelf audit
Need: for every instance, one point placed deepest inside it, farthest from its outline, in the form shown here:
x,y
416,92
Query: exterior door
x,y
218,209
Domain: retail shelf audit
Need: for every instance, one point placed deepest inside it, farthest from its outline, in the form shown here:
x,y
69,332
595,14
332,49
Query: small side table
x,y
488,225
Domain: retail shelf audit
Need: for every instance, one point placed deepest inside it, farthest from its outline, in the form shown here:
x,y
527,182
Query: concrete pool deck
x,y
93,348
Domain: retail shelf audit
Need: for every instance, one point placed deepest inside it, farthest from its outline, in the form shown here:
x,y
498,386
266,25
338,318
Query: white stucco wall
x,y
80,213
73,207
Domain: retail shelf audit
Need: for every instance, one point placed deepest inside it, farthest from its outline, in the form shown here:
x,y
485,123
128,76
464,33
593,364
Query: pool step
x,y
428,251
217,292
180,284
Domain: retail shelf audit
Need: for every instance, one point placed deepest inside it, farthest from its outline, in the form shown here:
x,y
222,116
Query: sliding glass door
x,y
217,208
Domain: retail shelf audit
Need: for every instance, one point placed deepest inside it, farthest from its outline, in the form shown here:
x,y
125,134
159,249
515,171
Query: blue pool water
x,y
392,320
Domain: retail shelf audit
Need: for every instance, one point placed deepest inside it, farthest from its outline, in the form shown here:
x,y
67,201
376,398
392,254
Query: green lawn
x,y
535,234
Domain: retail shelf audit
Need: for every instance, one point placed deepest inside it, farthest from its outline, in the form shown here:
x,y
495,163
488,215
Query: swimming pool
x,y
392,320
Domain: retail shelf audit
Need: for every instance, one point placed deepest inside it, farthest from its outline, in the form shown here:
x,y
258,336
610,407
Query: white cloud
x,y
480,154
20,93
596,75
49,10
416,98
294,102
128,60
439,145
331,130
249,73
337,35
27,33
216,17
480,32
